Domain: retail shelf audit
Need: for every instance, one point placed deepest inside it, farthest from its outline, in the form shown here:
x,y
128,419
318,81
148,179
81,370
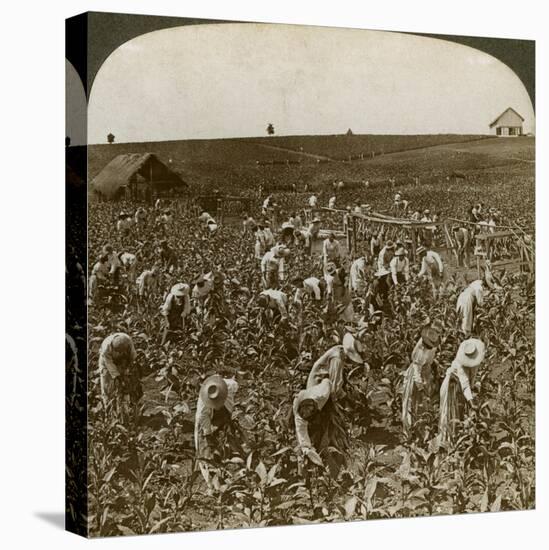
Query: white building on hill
x,y
509,123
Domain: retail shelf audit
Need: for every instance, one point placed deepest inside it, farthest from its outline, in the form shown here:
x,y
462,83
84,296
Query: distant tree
x,y
349,132
67,141
270,129
110,138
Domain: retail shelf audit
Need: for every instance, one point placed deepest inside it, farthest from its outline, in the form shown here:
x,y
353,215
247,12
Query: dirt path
x,y
302,153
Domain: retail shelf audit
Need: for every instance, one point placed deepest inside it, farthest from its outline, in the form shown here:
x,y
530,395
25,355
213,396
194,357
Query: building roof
x,y
123,168
506,111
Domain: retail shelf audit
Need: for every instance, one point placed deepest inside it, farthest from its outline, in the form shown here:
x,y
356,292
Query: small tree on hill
x,y
270,129
349,132
110,138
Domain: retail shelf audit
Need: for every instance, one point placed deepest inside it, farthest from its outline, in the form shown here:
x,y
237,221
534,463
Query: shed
x,y
509,123
137,176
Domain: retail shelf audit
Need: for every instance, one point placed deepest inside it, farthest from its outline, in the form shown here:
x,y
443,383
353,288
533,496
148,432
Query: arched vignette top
x,y
93,36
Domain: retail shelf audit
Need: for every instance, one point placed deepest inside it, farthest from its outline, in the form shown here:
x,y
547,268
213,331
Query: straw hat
x,y
400,252
352,348
430,337
316,220
214,391
331,268
381,272
389,245
421,250
471,353
180,289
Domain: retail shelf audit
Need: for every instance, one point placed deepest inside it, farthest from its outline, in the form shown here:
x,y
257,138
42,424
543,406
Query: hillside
x,y
277,149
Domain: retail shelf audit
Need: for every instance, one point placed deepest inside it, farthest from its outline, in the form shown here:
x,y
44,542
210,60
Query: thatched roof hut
x,y
136,174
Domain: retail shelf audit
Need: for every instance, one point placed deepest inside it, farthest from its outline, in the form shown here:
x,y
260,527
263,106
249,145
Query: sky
x,y
231,80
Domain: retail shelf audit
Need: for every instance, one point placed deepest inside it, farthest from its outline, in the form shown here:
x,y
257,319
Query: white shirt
x,y
400,264
313,200
332,202
357,274
311,286
430,260
277,300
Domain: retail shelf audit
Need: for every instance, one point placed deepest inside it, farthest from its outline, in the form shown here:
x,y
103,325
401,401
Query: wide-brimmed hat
x,y
287,225
400,251
421,250
426,211
179,289
283,252
381,272
389,245
331,268
471,353
430,337
214,391
316,220
352,348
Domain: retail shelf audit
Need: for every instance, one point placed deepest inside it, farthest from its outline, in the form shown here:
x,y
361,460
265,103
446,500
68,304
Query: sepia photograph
x,y
300,275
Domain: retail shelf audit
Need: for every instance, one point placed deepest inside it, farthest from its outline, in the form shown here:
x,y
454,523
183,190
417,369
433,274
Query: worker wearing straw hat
x,y
400,267
418,377
316,412
456,389
275,302
331,249
214,410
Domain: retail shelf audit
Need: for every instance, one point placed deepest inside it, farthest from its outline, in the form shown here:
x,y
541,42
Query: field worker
x,y
274,301
340,186
128,262
302,239
456,388
332,202
124,224
272,266
378,295
461,237
140,217
431,267
158,204
202,286
397,201
358,275
99,275
385,256
376,243
338,293
418,378
400,267
331,250
287,233
269,237
249,225
213,418
260,246
317,414
147,282
113,261
116,356
266,205
296,220
166,255
416,216
313,201
175,310
204,216
467,303
311,286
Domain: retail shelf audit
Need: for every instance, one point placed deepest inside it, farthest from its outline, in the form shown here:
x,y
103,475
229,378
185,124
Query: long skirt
x,y
452,409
